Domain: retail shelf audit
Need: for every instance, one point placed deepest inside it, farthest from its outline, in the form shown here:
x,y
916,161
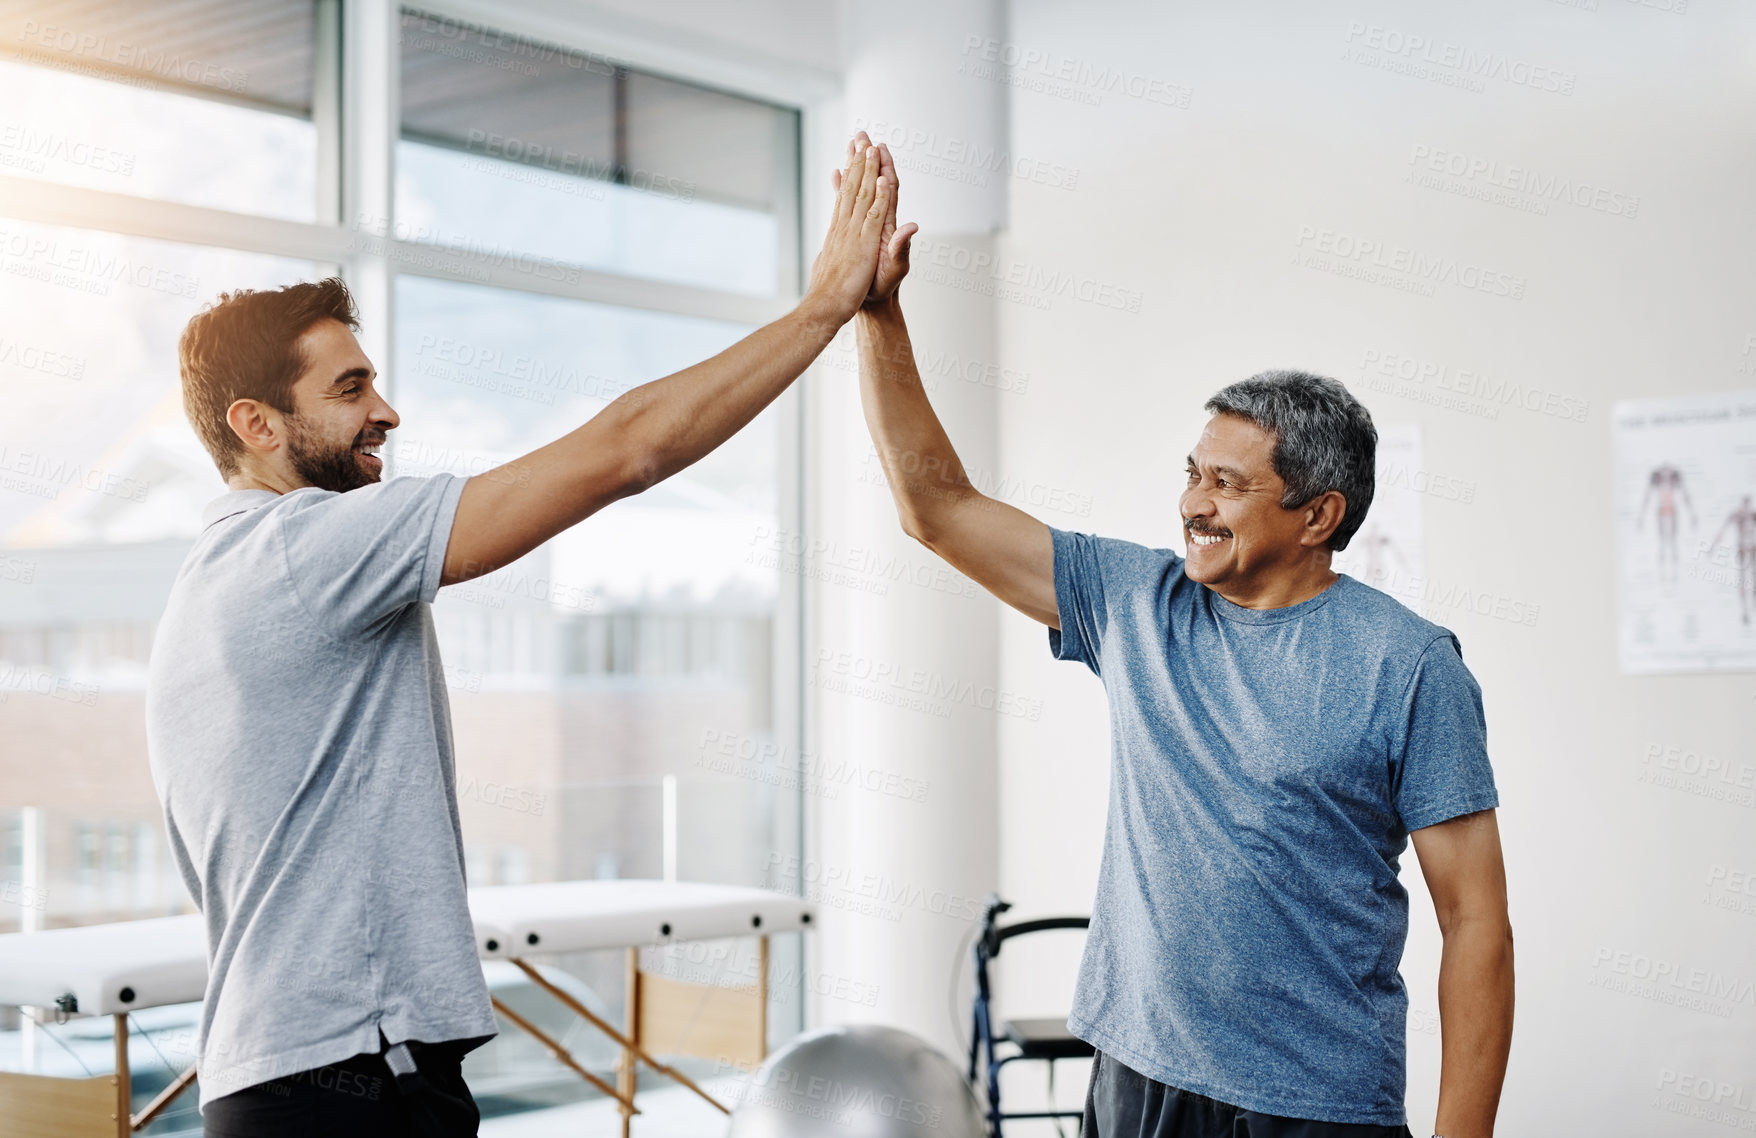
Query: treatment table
x,y
119,968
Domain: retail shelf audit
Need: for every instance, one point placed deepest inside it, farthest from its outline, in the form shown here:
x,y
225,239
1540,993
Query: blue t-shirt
x,y
1268,767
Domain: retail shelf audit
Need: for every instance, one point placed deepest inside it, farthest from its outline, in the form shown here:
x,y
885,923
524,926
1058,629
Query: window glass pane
x,y
723,144
511,146
94,447
207,104
589,671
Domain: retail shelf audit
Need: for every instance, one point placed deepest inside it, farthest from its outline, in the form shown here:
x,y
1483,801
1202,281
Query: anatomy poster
x,y
1686,532
1388,552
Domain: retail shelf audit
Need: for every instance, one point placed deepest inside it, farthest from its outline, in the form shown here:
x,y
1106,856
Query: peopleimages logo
x,y
46,476
32,358
161,62
47,146
1492,392
879,888
831,1100
33,681
18,570
745,753
1669,982
916,688
92,270
983,272
1064,76
562,161
962,159
1535,184
1467,63
1412,263
863,568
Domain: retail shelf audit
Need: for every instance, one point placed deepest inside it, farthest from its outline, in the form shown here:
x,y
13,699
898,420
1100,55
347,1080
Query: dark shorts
x,y
1123,1103
355,1098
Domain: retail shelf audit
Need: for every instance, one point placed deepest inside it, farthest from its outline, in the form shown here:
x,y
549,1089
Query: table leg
x,y
124,1096
629,1076
762,996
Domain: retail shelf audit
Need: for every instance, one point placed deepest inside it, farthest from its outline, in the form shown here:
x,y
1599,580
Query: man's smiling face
x,y
341,420
1239,535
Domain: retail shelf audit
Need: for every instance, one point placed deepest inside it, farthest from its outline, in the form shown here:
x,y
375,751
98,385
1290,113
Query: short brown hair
x,y
245,346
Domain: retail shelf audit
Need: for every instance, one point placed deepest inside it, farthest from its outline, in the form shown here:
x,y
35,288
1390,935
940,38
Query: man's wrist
x,y
822,315
888,309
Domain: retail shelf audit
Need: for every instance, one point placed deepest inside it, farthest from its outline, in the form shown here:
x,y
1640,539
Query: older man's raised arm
x,y
1000,547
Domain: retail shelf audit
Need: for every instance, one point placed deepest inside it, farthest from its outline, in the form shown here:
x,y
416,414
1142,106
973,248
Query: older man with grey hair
x,y
1280,732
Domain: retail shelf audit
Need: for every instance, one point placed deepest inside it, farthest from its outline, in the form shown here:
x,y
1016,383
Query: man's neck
x,y
1283,591
246,480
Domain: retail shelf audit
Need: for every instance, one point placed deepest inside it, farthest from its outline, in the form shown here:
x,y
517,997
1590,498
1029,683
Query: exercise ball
x,y
863,1081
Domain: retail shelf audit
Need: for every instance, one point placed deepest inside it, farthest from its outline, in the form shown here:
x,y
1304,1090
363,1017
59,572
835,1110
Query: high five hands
x,y
865,255
893,248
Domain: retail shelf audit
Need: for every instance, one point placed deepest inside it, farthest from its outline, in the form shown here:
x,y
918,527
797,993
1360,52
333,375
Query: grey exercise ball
x,y
864,1081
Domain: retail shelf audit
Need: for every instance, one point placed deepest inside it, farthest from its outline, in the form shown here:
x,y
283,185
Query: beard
x,y
326,465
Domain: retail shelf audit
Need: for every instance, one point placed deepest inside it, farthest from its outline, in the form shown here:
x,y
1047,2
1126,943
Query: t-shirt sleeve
x,y
1092,576
1442,742
359,558
1079,599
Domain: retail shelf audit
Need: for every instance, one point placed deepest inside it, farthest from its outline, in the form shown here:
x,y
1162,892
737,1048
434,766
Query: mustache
x,y
1192,527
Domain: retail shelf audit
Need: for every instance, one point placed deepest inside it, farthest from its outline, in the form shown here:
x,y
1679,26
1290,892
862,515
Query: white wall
x,y
1200,208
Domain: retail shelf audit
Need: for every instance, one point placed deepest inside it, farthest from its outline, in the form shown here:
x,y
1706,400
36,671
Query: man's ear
x,y
256,424
1322,515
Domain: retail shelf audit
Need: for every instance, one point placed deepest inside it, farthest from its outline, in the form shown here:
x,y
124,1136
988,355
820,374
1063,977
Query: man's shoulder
x,y
1379,619
402,486
311,504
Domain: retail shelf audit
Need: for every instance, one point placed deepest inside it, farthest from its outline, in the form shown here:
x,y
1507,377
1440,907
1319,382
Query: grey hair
x,y
1323,439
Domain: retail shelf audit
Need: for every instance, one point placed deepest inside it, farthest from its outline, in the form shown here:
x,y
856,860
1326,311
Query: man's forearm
x,y
1475,1022
925,475
673,422
643,437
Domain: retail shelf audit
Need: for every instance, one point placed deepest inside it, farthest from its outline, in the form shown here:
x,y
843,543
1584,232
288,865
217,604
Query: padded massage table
x,y
118,968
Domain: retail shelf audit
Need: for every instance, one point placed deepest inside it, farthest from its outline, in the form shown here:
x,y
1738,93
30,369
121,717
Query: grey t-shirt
x,y
1268,767
300,740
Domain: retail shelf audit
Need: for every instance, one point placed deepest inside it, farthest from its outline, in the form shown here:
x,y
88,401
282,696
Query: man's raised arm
x,y
657,429
1001,548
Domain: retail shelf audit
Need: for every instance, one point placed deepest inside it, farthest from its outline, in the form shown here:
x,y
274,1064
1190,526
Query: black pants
x,y
355,1098
1123,1103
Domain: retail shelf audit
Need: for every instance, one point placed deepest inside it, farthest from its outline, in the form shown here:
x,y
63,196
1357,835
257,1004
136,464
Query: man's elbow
x,y
914,525
926,525
640,458
1484,925
641,470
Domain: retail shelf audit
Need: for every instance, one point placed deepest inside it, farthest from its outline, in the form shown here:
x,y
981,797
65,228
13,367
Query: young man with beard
x,y
297,723
1280,732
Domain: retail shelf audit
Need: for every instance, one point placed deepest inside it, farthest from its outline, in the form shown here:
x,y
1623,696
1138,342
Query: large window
x,y
555,228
